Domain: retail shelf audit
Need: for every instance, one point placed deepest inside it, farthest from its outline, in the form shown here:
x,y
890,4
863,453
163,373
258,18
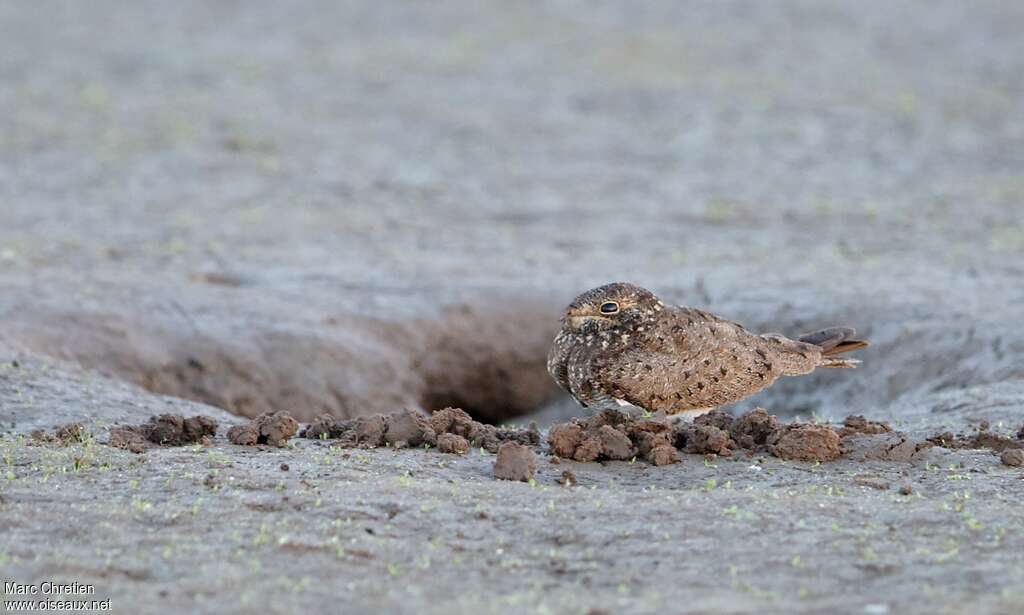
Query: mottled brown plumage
x,y
620,345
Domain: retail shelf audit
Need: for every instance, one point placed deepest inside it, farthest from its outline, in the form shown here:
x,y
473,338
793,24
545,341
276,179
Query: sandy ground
x,y
223,209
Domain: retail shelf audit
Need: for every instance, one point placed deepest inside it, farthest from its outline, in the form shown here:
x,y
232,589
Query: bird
x,y
620,345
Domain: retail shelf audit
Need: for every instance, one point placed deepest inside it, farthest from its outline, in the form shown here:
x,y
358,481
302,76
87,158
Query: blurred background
x,y
312,198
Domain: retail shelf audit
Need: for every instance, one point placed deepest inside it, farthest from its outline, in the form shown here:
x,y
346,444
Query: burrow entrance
x,y
487,358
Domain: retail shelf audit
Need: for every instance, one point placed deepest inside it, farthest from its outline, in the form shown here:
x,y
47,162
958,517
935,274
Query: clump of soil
x,y
602,436
705,440
612,435
515,462
72,433
164,430
856,424
654,441
452,443
805,442
982,438
409,429
271,428
709,434
753,428
1013,457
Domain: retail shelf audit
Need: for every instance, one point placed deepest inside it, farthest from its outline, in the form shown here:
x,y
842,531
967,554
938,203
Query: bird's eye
x,y
609,307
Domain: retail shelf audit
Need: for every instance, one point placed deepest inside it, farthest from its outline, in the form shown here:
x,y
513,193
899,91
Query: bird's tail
x,y
833,341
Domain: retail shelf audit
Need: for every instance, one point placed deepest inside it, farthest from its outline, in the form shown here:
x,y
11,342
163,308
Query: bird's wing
x,y
700,361
558,359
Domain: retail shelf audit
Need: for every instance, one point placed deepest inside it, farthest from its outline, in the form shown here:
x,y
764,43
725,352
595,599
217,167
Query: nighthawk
x,y
622,346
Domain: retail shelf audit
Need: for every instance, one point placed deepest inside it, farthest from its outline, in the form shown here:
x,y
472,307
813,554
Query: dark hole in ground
x,y
487,357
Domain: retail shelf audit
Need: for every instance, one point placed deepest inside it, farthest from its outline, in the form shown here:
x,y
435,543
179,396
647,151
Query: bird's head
x,y
611,306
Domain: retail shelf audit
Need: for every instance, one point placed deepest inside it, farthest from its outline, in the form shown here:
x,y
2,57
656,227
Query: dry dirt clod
x,y
615,445
277,428
164,430
704,438
452,443
976,440
368,431
568,478
515,462
323,427
906,490
71,433
452,420
176,430
244,435
716,418
564,438
663,455
805,443
1013,457
857,424
129,438
753,428
654,441
408,429
274,429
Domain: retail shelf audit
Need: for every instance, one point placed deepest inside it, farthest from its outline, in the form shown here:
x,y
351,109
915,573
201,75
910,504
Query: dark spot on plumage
x,y
700,386
723,370
707,362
